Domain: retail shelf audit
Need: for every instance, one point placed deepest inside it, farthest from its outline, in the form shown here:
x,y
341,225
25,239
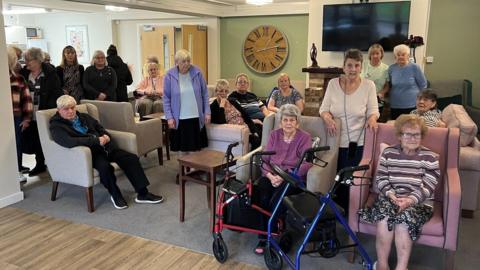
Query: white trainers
x,y
21,178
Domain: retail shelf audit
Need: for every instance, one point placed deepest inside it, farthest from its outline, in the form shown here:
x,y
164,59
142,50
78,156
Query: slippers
x,y
260,248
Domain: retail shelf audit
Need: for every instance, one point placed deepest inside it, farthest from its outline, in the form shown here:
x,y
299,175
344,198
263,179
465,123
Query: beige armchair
x,y
119,116
455,116
74,165
319,179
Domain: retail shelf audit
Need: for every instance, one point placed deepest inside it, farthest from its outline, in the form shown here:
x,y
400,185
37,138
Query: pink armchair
x,y
442,229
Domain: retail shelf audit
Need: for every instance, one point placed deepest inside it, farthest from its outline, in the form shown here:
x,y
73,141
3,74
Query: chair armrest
x,y
149,135
451,208
125,140
243,166
359,194
70,165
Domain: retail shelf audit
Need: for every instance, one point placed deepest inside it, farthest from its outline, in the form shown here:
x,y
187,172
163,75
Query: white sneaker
x,y
21,178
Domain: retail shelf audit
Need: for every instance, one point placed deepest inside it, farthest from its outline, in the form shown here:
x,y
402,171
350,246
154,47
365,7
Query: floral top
x,y
282,100
232,115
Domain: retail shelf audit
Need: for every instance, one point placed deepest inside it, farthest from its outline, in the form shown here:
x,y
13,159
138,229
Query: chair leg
x,y
449,259
53,197
160,155
351,255
89,194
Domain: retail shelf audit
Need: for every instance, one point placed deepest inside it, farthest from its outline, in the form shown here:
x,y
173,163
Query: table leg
x,y
182,193
212,176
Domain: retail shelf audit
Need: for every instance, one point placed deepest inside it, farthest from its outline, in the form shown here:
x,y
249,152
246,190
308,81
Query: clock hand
x,y
267,48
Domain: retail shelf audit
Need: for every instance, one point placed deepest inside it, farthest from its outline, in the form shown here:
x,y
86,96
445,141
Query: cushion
x,y
374,187
455,116
445,101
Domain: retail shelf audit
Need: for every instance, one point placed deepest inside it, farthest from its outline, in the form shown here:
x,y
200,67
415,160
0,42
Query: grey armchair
x,y
319,179
74,165
458,92
119,116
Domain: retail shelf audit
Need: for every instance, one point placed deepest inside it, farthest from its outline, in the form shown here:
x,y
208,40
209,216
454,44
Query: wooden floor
x,y
32,241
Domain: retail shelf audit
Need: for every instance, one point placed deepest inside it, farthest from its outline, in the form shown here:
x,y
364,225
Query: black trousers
x,y
128,162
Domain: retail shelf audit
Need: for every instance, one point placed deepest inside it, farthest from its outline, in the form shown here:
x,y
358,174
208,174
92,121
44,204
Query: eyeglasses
x,y
242,82
415,136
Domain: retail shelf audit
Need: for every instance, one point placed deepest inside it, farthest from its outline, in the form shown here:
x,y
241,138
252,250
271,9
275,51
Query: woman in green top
x,y
377,71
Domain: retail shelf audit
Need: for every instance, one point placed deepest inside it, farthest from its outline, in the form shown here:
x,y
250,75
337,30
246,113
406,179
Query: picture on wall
x,y
77,37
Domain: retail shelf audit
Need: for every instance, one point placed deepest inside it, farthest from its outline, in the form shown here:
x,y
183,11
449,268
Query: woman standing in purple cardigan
x,y
185,103
289,142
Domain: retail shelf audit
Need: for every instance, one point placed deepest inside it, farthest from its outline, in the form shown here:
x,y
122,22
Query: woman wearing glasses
x,y
150,91
406,179
100,80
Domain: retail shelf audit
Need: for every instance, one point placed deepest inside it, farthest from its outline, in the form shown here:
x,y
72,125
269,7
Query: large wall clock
x,y
265,49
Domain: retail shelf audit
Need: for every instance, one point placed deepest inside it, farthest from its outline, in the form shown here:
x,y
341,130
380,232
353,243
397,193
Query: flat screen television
x,y
358,26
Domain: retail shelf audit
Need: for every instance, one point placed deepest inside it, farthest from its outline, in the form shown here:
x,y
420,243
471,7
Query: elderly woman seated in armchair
x,y
224,112
406,178
289,143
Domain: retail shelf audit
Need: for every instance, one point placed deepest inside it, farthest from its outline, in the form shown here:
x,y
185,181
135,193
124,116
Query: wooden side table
x,y
206,165
165,130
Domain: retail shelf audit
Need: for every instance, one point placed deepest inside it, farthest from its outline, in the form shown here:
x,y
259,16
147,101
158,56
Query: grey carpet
x,y
161,222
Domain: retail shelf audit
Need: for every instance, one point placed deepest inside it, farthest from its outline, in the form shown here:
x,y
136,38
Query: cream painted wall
x,y
128,38
419,15
53,26
9,186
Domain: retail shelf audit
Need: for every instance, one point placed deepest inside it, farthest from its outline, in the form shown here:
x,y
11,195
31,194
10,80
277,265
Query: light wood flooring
x,y
33,241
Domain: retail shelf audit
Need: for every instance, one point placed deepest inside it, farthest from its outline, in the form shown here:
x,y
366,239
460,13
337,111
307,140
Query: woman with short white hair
x,y
150,91
406,80
186,106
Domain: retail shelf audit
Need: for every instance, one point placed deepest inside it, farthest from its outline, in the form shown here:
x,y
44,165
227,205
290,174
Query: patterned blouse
x,y
282,100
232,115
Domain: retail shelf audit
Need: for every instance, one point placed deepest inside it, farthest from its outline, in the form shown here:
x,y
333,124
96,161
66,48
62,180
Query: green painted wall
x,y
454,42
232,34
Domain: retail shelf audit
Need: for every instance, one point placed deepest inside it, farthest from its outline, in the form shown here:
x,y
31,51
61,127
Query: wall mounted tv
x,y
360,25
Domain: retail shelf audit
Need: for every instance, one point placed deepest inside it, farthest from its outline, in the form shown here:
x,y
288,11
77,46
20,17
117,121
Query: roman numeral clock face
x,y
265,49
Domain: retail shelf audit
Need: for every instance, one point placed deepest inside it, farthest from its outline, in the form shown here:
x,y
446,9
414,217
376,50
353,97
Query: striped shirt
x,y
414,176
431,117
21,99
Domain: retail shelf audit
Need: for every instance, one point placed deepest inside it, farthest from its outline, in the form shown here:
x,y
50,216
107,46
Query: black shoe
x,y
24,169
37,170
119,202
149,198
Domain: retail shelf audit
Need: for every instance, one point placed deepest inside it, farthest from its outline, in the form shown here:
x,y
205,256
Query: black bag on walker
x,y
240,213
302,209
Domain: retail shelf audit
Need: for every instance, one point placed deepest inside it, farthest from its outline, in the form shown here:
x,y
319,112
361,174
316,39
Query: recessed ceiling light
x,y
259,2
115,8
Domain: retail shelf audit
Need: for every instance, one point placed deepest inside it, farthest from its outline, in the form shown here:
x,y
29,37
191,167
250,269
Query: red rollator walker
x,y
235,210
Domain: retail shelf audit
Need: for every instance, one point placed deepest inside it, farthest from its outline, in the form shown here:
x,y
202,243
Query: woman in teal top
x,y
377,71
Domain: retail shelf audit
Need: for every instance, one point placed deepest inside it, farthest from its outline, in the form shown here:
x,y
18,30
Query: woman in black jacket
x,y
100,80
44,86
124,77
71,73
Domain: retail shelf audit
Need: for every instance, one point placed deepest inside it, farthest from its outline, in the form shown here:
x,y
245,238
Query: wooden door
x,y
194,39
158,41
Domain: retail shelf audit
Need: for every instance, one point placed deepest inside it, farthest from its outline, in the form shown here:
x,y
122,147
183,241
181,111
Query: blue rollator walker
x,y
309,212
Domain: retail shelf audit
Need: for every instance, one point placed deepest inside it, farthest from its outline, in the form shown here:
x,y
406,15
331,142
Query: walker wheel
x,y
329,249
273,260
220,250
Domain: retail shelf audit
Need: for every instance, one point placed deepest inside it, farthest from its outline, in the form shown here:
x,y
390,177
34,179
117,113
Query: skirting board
x,y
11,199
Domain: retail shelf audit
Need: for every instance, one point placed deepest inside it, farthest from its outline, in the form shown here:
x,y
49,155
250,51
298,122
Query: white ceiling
x,y
210,8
